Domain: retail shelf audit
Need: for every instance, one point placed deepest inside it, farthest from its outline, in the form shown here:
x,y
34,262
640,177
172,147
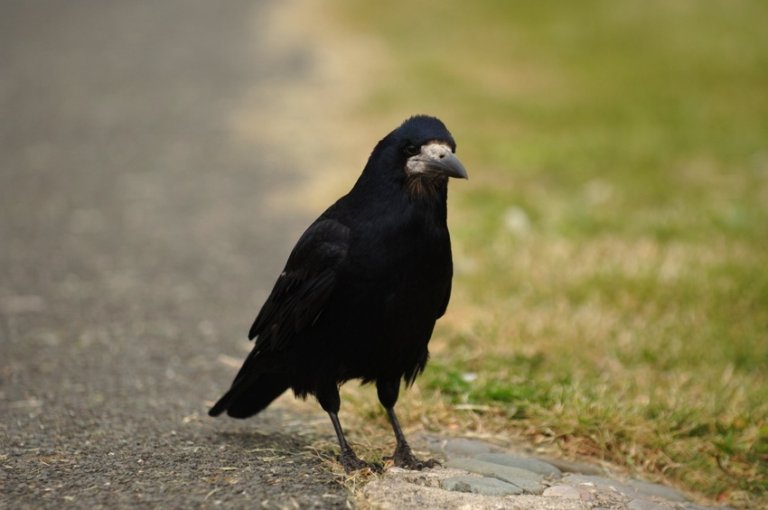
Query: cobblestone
x,y
481,475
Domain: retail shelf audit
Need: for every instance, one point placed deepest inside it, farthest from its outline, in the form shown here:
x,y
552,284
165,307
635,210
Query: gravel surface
x,y
136,247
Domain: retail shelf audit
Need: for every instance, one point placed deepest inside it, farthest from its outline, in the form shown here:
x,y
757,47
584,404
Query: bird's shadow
x,y
274,440
253,440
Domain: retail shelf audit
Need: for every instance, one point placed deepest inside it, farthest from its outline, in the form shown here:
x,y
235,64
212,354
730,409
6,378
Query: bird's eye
x,y
412,150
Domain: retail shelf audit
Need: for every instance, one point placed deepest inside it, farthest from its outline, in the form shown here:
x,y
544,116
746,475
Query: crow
x,y
361,290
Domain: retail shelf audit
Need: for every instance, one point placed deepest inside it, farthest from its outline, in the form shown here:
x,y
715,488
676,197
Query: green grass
x,y
612,242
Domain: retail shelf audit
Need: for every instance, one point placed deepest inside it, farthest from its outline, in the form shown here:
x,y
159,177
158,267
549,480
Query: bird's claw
x,y
404,458
351,462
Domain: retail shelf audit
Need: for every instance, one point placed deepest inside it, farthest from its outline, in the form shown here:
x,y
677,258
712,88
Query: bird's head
x,y
428,149
419,154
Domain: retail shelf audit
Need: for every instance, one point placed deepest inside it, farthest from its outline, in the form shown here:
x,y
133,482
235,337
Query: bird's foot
x,y
404,458
351,462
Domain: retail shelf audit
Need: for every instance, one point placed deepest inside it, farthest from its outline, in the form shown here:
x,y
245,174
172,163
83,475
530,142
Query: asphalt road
x,y
135,249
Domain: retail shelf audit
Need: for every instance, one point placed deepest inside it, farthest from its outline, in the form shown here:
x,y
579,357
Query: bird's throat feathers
x,y
425,189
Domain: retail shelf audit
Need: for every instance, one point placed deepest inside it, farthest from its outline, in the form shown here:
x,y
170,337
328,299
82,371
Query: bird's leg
x,y
349,460
331,402
403,456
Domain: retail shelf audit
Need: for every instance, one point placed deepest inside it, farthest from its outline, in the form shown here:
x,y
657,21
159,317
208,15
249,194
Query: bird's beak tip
x,y
453,167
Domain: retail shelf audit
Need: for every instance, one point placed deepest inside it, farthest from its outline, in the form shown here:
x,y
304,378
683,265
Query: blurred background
x,y
611,296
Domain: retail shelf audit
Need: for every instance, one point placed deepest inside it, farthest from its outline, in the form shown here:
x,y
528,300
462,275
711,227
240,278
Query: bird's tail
x,y
251,395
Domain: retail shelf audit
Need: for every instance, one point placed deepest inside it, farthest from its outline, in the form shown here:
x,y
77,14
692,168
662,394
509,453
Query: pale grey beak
x,y
437,158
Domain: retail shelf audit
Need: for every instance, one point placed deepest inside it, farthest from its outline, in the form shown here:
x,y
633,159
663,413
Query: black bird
x,y
362,288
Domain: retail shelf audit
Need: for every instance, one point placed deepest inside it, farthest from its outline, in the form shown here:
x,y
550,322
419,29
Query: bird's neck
x,y
428,199
427,189
420,196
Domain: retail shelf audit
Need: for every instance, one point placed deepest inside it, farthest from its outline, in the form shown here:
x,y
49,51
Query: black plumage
x,y
362,288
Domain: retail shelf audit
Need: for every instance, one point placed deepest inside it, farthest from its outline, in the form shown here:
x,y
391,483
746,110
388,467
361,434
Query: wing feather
x,y
303,288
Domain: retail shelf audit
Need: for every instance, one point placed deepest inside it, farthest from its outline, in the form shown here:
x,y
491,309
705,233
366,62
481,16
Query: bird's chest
x,y
404,270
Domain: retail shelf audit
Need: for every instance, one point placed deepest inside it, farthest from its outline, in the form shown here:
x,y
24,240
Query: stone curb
x,y
480,475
